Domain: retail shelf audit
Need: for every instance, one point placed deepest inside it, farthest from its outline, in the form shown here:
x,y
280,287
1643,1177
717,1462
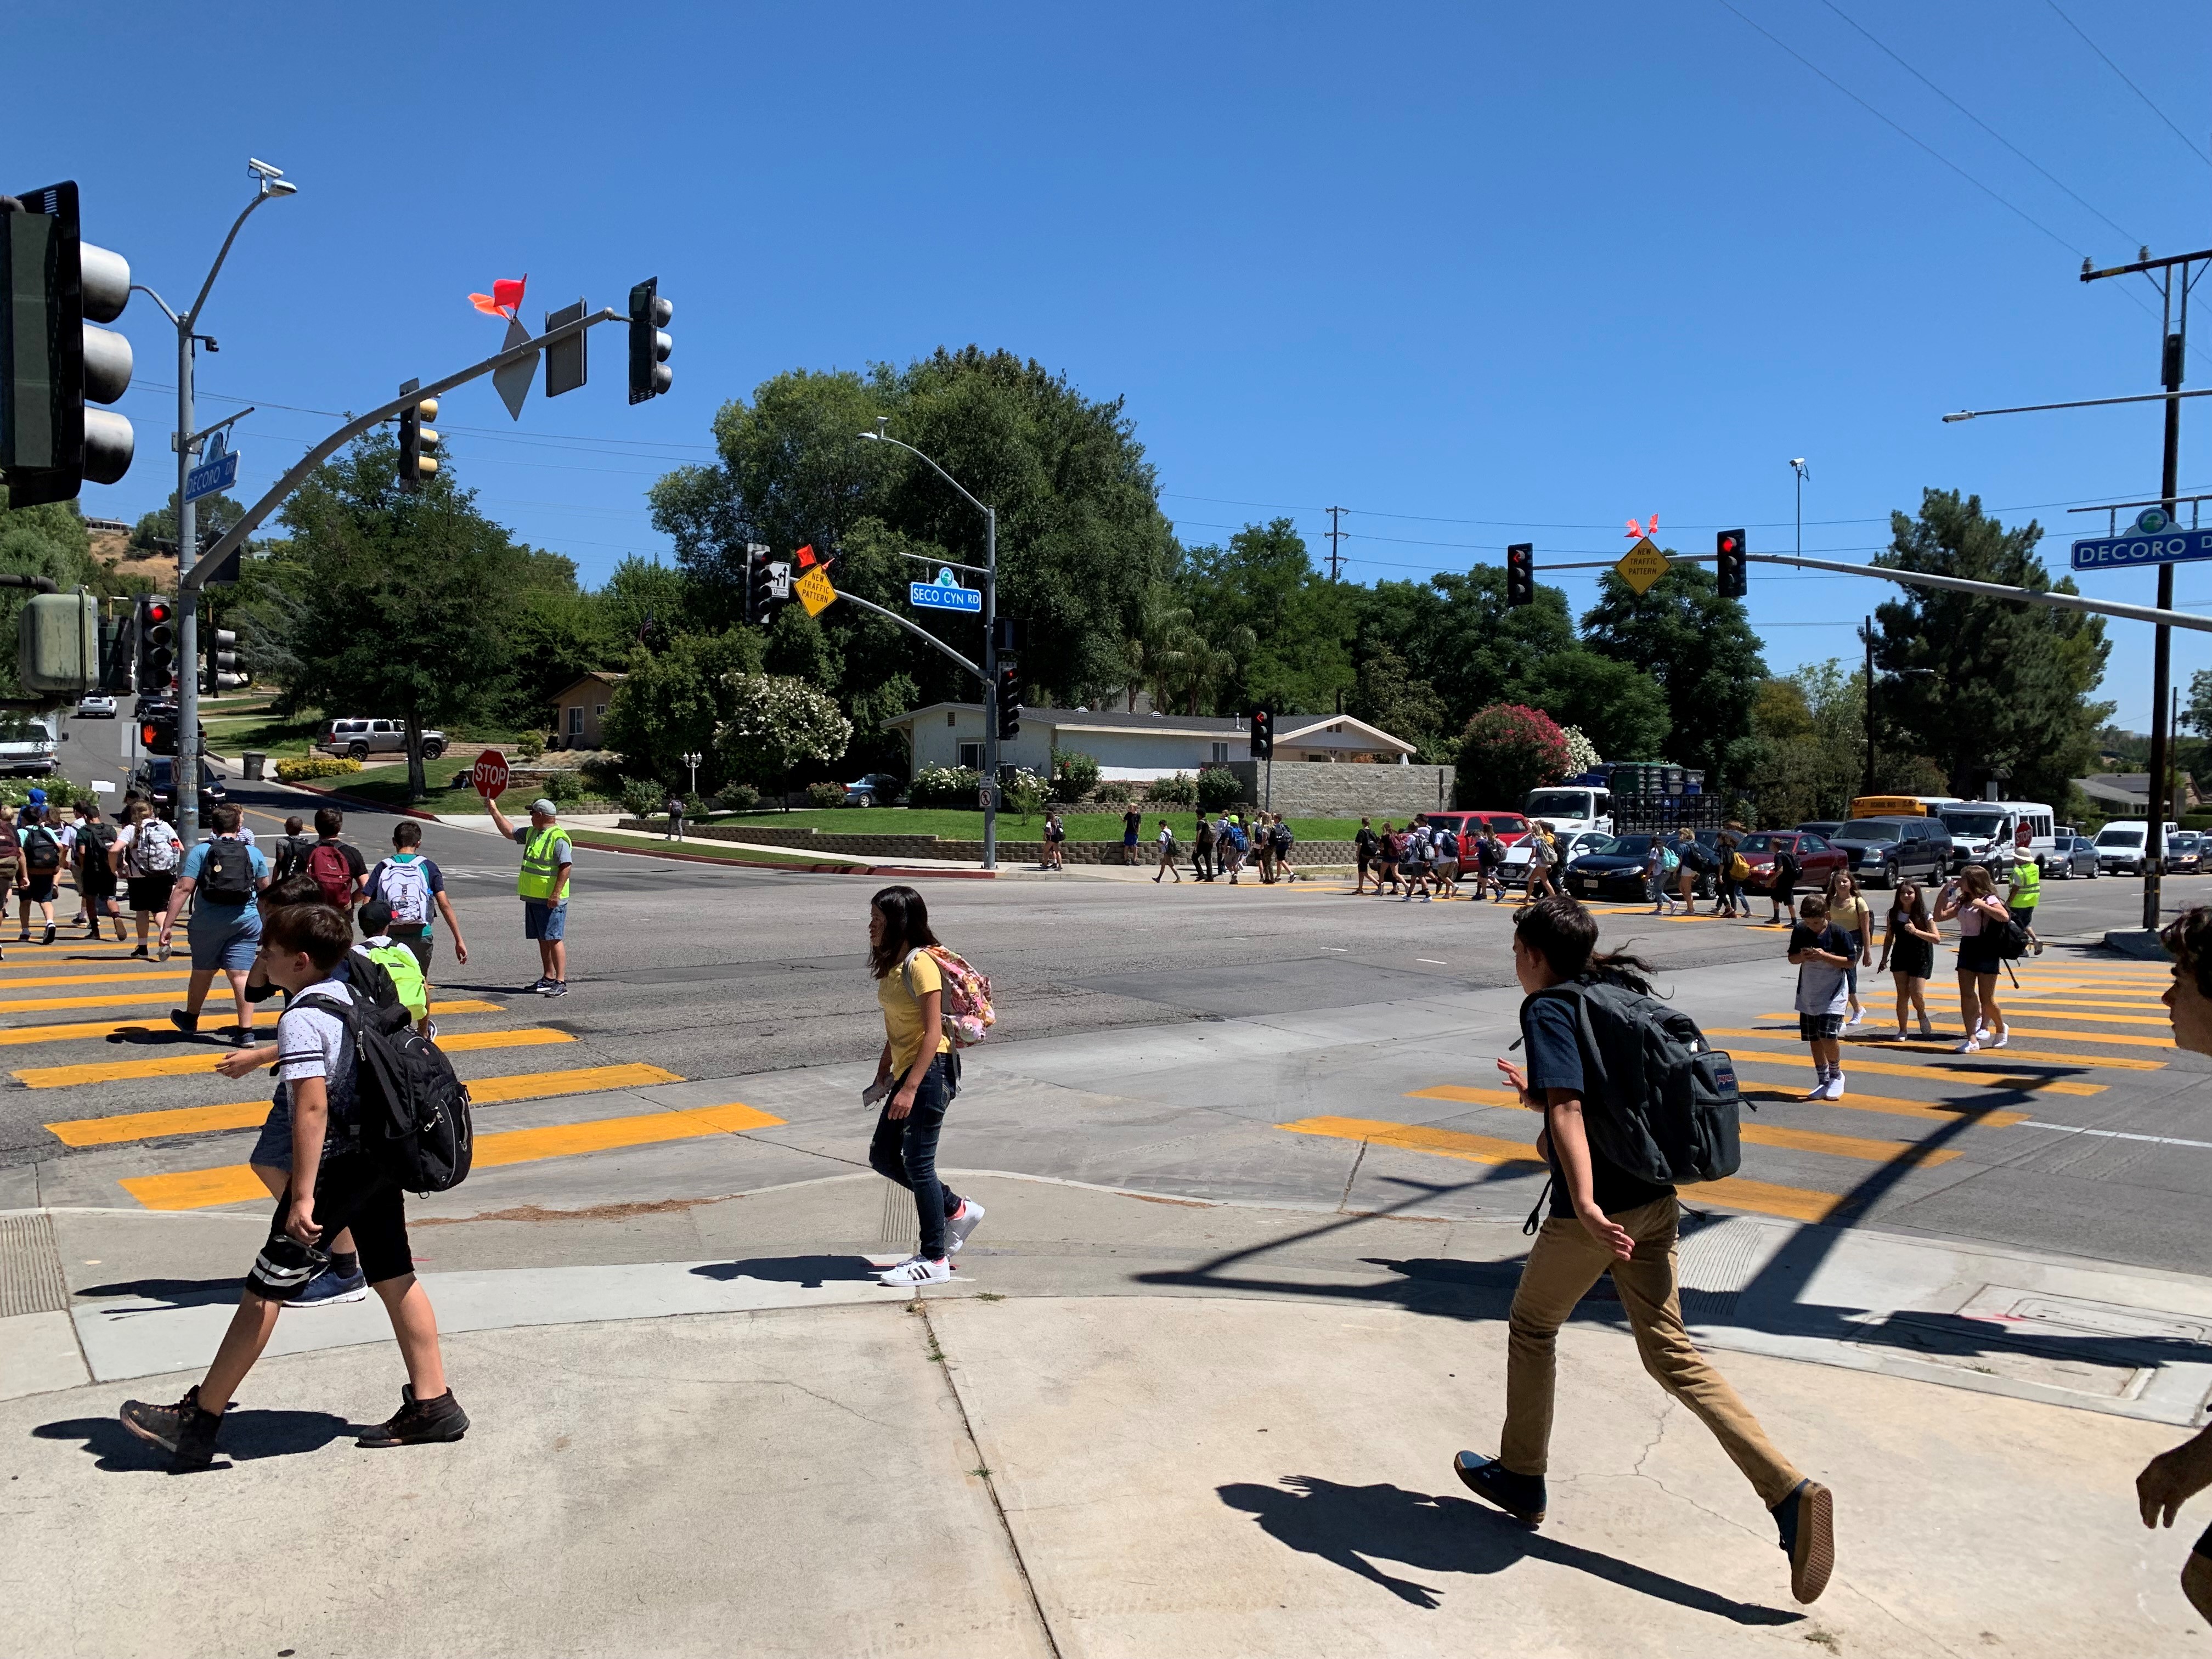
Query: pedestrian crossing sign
x,y
814,591
1642,565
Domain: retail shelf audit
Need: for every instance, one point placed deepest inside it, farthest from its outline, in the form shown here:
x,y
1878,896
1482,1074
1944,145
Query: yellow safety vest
x,y
540,869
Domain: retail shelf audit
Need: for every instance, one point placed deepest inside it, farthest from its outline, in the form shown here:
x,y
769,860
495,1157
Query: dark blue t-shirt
x,y
1552,1041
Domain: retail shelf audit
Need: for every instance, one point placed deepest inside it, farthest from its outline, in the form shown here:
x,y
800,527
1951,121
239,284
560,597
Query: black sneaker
x,y
1521,1496
139,954
420,1422
184,1021
558,987
184,1430
1807,1522
49,939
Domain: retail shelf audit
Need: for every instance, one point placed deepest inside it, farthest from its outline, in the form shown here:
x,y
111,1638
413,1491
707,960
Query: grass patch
x,y
955,824
706,849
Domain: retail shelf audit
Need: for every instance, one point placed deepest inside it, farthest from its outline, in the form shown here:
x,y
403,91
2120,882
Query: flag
x,y
505,299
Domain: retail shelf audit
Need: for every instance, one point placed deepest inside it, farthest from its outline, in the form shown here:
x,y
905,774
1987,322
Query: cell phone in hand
x,y
876,1090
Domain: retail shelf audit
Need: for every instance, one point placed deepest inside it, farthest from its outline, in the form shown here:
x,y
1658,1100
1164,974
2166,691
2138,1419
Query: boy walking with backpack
x,y
95,873
411,884
42,869
1822,956
337,866
1605,1217
337,1183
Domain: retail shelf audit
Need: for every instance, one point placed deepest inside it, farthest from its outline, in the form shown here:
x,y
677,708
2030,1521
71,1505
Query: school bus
x,y
1900,806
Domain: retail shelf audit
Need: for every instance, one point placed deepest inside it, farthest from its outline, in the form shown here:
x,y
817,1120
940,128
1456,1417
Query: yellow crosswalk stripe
x,y
1735,1193
1917,1045
203,1059
1762,1134
163,977
15,1035
236,1183
247,1113
34,1004
1888,1105
2053,1008
2036,1009
1472,1097
1989,1074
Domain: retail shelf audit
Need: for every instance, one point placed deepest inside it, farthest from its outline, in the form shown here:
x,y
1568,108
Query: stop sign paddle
x,y
489,776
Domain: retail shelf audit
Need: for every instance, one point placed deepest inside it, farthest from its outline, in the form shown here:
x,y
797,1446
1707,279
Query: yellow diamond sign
x,y
818,596
1643,565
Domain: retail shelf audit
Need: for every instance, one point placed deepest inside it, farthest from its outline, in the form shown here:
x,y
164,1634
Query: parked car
x,y
2071,855
1612,869
1816,860
1826,829
95,706
1569,844
2121,850
154,777
1508,827
874,789
2184,853
358,740
1882,850
28,744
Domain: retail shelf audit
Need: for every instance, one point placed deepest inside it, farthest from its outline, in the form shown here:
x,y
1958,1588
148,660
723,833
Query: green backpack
x,y
398,961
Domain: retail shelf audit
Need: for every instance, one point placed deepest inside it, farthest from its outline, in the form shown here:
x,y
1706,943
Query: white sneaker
x,y
1819,1091
1999,1041
1969,1047
916,1270
956,1228
1835,1089
1854,1022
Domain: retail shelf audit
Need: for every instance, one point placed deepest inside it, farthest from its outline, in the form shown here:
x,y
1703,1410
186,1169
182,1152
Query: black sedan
x,y
1613,870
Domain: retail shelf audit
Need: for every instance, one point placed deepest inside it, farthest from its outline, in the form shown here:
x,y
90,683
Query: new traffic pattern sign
x,y
1642,565
488,776
2154,540
946,593
814,590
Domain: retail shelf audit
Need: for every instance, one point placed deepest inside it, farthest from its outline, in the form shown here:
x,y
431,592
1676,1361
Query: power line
x,y
2131,86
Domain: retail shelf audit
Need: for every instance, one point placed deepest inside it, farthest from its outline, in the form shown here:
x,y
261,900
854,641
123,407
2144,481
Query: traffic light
x,y
58,644
1521,574
53,288
418,444
157,643
649,373
1010,703
157,733
761,584
222,672
1729,564
1263,734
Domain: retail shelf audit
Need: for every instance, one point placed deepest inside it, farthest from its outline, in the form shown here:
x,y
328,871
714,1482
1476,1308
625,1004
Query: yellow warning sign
x,y
1642,565
818,596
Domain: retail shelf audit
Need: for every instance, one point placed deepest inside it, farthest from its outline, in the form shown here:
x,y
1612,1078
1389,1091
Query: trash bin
x,y
251,764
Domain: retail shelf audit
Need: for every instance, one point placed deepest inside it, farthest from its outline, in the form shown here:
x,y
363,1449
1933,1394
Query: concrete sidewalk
x,y
1131,1427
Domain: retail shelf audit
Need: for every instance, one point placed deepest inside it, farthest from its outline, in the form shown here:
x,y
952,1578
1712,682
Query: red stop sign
x,y
489,776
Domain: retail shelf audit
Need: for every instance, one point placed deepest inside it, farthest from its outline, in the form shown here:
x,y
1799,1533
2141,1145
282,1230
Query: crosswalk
x,y
1826,1160
482,1034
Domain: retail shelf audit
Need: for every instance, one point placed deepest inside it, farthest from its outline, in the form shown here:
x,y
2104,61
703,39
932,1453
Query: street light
x,y
882,434
692,761
269,183
1797,465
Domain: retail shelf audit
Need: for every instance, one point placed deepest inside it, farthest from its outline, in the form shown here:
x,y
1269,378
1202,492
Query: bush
x,y
1508,750
1025,794
298,770
737,798
1181,790
1074,774
1218,787
531,746
825,794
945,786
1119,792
564,787
641,798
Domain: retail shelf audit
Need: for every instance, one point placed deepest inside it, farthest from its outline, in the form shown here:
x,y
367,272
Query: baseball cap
x,y
542,805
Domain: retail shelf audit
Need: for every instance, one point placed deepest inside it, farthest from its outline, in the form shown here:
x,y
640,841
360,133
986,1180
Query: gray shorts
x,y
272,1148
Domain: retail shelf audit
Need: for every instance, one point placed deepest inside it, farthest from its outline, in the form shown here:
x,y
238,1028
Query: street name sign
x,y
1642,565
814,590
489,775
946,593
213,476
2154,540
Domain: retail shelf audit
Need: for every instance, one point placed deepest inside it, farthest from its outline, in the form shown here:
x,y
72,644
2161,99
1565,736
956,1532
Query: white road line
x,y
2114,1135
1432,961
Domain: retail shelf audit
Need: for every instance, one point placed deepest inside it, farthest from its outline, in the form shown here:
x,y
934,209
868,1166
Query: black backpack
x,y
1667,1099
227,875
414,1111
94,837
2011,937
42,851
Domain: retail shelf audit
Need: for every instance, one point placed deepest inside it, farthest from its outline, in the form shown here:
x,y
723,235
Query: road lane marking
x,y
1802,1140
236,1183
2034,1010
248,1114
1988,1077
1917,1045
2116,1134
1935,1111
202,1059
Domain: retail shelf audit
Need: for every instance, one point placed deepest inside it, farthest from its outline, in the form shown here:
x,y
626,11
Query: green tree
x,y
217,513
773,724
1698,647
2008,683
1286,630
672,701
1387,695
396,603
1619,707
646,603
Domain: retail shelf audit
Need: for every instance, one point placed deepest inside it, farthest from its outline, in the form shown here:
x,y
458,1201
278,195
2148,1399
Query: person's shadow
x,y
808,1272
170,1292
247,1436
1348,1525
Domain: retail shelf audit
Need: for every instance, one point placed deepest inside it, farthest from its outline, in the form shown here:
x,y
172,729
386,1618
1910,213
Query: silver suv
x,y
359,739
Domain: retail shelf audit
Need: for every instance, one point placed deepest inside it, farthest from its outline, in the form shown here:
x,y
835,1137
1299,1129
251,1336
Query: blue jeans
x,y
904,1149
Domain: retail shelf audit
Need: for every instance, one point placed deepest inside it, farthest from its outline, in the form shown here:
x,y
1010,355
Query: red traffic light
x,y
1728,544
158,610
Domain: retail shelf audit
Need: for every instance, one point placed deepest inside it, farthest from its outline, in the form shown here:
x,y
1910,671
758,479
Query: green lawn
x,y
696,848
952,824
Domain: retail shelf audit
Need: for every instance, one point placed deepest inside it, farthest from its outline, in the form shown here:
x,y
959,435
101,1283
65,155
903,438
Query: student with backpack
x,y
415,888
1443,859
1659,865
1983,922
146,856
340,1181
1168,865
1387,851
1364,846
1584,1013
1230,841
1202,841
1735,871
392,955
95,872
1822,953
1781,883
287,853
917,1077
337,866
42,869
225,930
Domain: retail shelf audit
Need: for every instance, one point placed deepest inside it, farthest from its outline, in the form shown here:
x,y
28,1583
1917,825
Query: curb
x,y
770,864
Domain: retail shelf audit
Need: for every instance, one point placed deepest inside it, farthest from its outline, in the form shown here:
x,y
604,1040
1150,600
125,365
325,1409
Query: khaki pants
x,y
1565,1262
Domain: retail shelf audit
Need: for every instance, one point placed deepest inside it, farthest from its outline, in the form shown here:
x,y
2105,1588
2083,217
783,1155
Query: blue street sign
x,y
946,593
2167,546
210,478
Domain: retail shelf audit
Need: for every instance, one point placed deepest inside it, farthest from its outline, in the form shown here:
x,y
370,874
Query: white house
x,y
1137,745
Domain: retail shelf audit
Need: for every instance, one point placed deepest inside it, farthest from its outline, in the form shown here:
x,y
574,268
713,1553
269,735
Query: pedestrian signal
x,y
1263,734
1521,574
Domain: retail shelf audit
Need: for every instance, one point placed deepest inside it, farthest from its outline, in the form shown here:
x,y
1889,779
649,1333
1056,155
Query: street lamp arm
x,y
194,315
919,633
885,437
141,288
1990,590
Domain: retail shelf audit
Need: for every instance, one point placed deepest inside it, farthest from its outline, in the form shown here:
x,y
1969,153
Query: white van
x,y
2120,846
1571,808
2035,825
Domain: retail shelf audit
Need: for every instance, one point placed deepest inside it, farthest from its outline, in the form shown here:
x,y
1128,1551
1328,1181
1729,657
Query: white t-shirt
x,y
314,1042
127,840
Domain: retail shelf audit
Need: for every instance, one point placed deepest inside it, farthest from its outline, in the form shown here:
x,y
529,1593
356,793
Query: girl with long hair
x,y
917,1076
1972,897
1848,912
1908,953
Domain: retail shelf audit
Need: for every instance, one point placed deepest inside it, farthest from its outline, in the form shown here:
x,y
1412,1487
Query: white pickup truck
x,y
28,746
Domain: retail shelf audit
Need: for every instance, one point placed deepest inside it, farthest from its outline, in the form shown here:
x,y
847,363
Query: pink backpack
x,y
965,999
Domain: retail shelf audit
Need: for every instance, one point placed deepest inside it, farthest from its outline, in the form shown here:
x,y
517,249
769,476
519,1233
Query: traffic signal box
x,y
1729,564
157,644
760,584
1521,574
418,444
649,315
54,286
1263,734
1010,702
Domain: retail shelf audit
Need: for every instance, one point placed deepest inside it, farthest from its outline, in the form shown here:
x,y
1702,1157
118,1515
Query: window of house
x,y
971,755
949,717
575,719
1221,752
600,711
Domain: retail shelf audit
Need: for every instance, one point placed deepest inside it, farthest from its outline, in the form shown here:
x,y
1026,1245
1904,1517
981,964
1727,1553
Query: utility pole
x,y
2174,331
1869,706
1335,536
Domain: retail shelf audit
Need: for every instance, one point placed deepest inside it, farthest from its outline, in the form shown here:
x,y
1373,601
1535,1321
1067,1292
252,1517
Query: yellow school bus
x,y
1888,806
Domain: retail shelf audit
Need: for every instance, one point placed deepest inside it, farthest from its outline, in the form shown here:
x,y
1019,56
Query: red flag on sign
x,y
505,299
805,555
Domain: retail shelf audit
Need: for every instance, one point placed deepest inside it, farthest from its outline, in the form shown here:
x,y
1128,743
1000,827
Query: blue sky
x,y
1480,273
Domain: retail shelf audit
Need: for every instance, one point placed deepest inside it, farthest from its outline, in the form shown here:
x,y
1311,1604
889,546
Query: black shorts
x,y
1977,954
96,881
151,893
351,1191
39,890
415,936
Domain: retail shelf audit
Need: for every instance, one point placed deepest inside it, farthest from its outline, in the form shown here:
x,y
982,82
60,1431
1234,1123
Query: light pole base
x,y
2140,943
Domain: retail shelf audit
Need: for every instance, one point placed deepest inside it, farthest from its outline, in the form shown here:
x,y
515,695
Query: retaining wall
x,y
1324,789
967,852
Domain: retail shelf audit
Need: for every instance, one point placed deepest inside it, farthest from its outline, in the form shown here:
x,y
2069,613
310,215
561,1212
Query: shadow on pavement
x,y
808,1272
1346,1525
171,1292
247,1436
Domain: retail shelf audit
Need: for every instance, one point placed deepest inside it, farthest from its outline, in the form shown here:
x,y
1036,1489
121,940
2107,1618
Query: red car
x,y
1508,827
1816,860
